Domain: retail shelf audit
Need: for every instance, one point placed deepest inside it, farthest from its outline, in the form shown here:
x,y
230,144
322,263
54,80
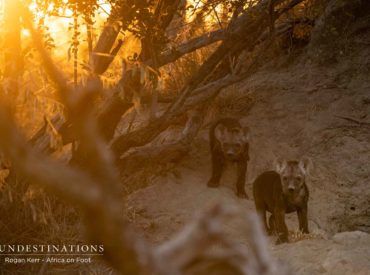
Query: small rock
x,y
347,238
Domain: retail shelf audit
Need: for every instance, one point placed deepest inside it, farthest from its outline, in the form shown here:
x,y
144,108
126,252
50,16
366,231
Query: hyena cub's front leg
x,y
302,219
218,162
282,229
240,184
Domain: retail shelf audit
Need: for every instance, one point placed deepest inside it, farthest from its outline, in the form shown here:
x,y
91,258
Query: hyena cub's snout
x,y
291,185
292,174
232,141
232,151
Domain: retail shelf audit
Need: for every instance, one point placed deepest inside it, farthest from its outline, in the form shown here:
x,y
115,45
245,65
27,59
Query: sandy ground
x,y
295,114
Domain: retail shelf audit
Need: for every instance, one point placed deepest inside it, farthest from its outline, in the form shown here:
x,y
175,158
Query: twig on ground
x,y
358,122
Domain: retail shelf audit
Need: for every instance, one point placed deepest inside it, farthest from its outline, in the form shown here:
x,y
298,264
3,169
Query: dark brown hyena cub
x,y
280,192
229,142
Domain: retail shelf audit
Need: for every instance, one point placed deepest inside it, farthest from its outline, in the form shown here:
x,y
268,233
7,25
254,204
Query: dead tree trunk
x,y
251,21
94,187
94,191
236,42
101,56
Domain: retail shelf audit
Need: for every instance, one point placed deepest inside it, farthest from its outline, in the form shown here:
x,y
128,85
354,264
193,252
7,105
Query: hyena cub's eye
x,y
285,178
298,179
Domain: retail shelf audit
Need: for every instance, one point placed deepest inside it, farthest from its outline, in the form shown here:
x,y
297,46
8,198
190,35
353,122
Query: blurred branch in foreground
x,y
94,190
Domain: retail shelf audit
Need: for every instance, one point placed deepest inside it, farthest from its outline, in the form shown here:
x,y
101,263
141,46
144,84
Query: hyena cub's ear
x,y
219,132
306,165
246,134
280,164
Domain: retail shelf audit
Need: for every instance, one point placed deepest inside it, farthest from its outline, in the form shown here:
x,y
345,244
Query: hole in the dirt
x,y
352,208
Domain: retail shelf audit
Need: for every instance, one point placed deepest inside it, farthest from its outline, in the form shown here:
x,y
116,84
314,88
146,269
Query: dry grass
x,y
36,216
296,236
39,217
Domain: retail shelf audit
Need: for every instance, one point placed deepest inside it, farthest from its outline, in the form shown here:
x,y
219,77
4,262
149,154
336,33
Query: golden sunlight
x,y
211,18
58,26
184,137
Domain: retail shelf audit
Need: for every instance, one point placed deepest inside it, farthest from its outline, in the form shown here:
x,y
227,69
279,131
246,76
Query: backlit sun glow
x,y
58,26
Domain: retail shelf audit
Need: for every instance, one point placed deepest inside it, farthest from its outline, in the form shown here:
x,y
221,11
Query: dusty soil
x,y
296,112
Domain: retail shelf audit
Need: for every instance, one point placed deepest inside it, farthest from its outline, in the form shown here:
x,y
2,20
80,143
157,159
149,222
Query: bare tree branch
x,y
105,224
253,26
101,57
124,249
98,186
94,187
175,53
164,156
93,190
358,122
116,106
192,250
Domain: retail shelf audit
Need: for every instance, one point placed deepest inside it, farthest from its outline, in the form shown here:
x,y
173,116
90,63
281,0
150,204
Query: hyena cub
x,y
280,192
229,142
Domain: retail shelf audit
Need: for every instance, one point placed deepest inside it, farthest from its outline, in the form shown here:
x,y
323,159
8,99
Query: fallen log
x,y
232,45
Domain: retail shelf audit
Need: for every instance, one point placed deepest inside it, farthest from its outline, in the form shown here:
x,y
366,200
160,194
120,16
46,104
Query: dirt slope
x,y
295,113
316,104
